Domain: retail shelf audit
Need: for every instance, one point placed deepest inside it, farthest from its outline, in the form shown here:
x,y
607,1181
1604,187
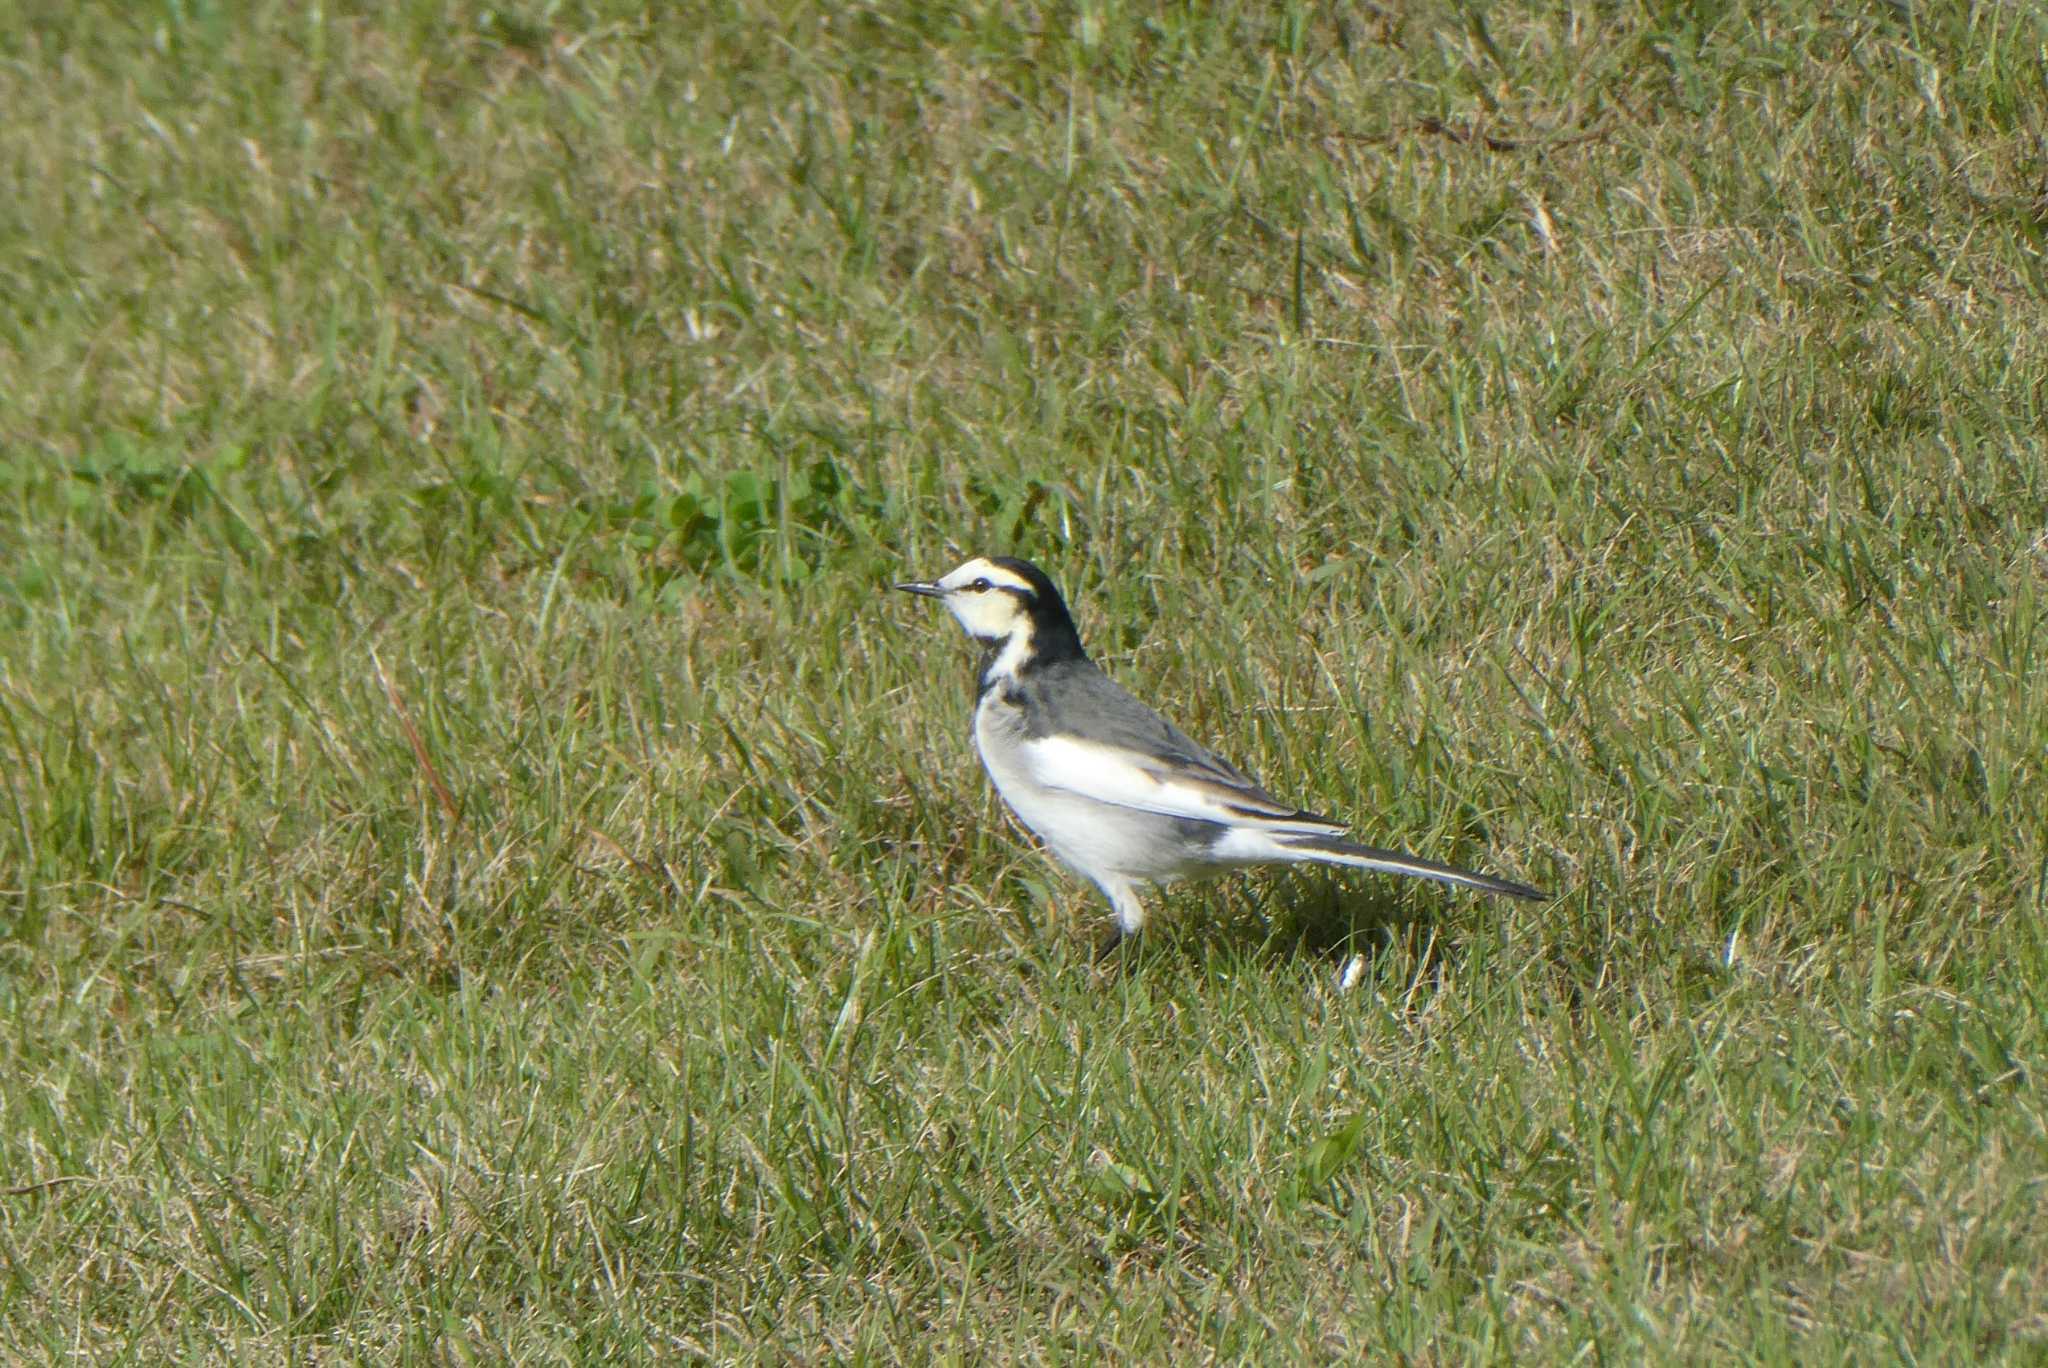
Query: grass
x,y
484,873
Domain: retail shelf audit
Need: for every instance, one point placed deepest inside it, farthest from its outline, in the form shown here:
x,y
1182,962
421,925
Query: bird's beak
x,y
925,587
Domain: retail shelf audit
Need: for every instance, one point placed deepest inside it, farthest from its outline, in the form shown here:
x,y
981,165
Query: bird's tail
x,y
1334,850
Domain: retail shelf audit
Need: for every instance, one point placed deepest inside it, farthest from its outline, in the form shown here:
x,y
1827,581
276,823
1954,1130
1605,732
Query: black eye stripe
x,y
982,584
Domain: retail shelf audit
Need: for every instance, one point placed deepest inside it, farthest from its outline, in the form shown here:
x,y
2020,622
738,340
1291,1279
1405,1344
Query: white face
x,y
988,600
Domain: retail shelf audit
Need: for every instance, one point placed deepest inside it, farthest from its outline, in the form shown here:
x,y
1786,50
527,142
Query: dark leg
x,y
1112,944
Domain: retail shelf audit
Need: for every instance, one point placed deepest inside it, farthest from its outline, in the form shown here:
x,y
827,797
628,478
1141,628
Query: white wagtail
x,y
1113,789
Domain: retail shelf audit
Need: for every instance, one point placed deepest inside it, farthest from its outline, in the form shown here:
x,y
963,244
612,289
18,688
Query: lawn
x,y
487,873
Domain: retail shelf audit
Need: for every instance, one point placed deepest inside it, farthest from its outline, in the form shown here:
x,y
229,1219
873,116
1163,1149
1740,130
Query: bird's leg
x,y
1130,918
1110,944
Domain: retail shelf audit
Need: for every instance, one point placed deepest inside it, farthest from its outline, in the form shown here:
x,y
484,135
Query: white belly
x,y
1105,843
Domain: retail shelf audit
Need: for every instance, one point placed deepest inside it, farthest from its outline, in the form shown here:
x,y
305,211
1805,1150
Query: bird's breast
x,y
999,734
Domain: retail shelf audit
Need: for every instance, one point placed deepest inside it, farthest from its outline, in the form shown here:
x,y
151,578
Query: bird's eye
x,y
981,586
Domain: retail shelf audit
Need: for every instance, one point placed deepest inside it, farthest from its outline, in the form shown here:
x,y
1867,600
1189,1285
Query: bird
x,y
1115,791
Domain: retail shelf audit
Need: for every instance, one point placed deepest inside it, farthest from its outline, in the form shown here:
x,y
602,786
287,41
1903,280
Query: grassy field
x,y
485,873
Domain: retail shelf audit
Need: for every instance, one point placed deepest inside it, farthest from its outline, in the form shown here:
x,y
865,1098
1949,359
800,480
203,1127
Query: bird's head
x,y
1010,607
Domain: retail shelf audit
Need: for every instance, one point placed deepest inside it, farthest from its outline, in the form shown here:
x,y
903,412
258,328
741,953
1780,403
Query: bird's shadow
x,y
1308,918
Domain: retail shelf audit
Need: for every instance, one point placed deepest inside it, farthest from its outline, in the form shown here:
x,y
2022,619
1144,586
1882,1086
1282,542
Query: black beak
x,y
925,587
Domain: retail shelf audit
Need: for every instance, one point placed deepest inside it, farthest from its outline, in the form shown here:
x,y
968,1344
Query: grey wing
x,y
1096,708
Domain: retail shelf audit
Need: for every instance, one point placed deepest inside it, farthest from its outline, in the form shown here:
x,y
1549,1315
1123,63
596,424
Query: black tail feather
x,y
1336,850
